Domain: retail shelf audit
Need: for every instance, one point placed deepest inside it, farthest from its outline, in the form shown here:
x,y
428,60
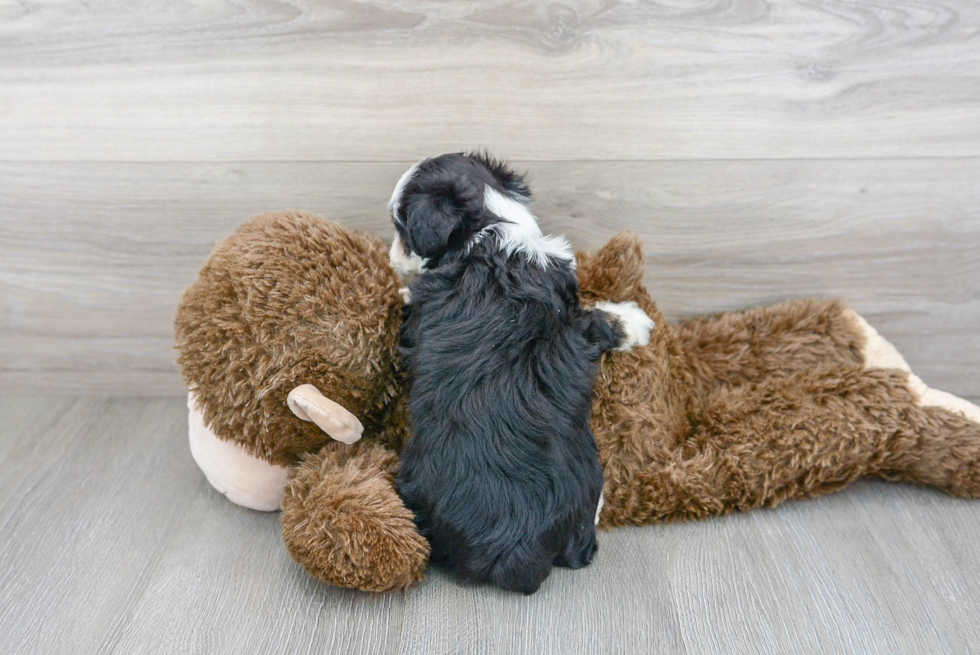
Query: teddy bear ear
x,y
308,404
615,271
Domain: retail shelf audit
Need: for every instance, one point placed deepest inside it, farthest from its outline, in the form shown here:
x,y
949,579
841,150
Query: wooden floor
x,y
111,541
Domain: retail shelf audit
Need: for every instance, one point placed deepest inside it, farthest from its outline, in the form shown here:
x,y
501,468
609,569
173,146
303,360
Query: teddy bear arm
x,y
753,345
762,343
343,521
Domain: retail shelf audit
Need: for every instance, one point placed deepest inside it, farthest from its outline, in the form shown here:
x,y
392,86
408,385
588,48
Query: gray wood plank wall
x,y
763,150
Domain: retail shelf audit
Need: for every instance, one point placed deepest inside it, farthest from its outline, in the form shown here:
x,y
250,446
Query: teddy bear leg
x,y
344,522
936,446
939,443
879,353
756,344
798,436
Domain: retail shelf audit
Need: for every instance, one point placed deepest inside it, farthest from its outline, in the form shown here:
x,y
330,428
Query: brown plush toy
x,y
287,342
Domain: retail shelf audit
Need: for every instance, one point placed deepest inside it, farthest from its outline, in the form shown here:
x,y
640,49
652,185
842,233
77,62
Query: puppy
x,y
501,469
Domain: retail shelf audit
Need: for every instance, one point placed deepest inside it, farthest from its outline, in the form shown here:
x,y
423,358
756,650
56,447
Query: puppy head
x,y
438,206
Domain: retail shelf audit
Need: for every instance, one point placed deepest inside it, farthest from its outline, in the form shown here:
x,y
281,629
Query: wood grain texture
x,y
95,255
112,542
392,80
763,149
832,575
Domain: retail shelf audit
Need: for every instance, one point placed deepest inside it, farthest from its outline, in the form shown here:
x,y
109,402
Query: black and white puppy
x,y
501,469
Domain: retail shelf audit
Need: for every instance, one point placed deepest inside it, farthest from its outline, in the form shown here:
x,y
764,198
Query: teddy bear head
x,y
288,337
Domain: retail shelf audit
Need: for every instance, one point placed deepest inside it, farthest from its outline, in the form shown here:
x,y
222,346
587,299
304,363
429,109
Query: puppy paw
x,y
635,322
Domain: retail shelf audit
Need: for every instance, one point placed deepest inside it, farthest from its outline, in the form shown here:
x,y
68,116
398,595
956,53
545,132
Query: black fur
x,y
441,207
501,470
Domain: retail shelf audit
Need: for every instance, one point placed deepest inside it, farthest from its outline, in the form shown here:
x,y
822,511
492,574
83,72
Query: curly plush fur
x,y
283,284
751,408
718,414
340,521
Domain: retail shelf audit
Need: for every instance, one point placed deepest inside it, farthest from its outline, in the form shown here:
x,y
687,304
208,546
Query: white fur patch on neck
x,y
520,231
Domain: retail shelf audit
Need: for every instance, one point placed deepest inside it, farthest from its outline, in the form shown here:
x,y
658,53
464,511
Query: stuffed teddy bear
x,y
288,343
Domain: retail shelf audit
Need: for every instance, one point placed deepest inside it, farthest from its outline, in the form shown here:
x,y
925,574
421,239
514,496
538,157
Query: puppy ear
x,y
431,221
436,220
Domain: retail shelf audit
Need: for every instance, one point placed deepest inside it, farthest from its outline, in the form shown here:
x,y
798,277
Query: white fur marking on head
x,y
634,320
404,265
520,231
396,194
